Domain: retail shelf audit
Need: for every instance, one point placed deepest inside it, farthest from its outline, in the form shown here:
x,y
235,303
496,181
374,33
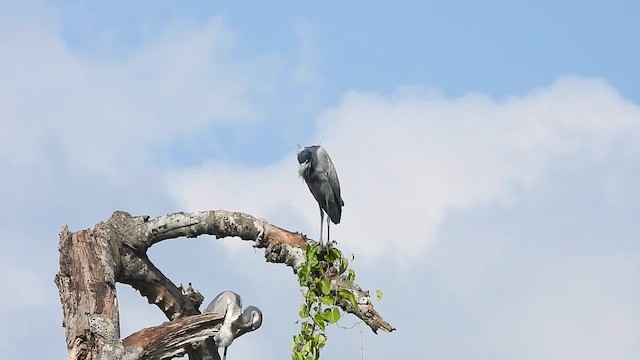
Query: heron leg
x,y
328,224
224,355
321,225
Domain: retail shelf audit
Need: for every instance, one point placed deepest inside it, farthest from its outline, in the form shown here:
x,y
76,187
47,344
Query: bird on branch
x,y
236,321
321,177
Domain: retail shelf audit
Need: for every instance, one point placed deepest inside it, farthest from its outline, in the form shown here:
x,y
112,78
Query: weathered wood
x,y
86,283
92,261
139,272
173,339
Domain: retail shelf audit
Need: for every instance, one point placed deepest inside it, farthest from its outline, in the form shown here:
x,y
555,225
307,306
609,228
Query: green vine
x,y
320,301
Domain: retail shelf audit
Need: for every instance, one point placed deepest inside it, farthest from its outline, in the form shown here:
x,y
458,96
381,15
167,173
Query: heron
x,y
321,177
236,321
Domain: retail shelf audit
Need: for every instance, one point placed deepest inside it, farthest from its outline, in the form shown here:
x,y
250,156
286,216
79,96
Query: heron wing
x,y
221,303
333,199
218,305
331,173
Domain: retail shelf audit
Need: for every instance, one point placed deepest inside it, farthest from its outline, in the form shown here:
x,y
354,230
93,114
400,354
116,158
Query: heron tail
x,y
335,211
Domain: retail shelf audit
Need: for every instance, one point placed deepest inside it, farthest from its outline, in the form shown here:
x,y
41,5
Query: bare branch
x,y
281,246
365,310
139,272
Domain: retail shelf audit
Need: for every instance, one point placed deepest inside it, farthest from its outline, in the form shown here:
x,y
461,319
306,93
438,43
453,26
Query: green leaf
x,y
351,275
313,262
319,321
311,252
327,315
349,296
336,314
311,297
303,276
379,294
343,265
325,287
331,316
335,254
321,339
332,255
306,329
327,300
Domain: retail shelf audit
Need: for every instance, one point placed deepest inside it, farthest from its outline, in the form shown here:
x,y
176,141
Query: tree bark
x,y
173,339
92,261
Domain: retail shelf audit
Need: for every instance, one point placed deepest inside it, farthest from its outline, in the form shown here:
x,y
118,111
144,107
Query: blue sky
x,y
488,154
496,47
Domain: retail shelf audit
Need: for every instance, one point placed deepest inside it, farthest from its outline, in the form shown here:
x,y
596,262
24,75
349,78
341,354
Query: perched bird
x,y
250,319
318,172
236,321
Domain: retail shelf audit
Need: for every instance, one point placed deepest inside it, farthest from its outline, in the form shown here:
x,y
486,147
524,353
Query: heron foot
x,y
323,248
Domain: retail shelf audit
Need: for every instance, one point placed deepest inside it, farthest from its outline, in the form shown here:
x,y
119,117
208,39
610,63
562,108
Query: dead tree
x,y
92,261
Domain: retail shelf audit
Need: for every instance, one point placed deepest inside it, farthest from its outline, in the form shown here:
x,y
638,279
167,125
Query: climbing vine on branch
x,y
321,299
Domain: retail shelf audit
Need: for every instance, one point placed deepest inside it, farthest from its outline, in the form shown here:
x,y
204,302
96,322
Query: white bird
x,y
236,322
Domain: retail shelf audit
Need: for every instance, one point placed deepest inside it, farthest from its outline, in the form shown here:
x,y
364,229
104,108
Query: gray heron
x,y
321,177
236,321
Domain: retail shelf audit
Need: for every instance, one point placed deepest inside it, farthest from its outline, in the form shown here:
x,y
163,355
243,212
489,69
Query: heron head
x,y
305,159
256,316
304,155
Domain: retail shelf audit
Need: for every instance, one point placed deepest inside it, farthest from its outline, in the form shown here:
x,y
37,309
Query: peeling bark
x,y
173,339
92,261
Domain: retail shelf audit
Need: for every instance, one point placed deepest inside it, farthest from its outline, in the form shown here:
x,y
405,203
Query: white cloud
x,y
578,307
27,289
306,69
407,158
80,135
107,115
